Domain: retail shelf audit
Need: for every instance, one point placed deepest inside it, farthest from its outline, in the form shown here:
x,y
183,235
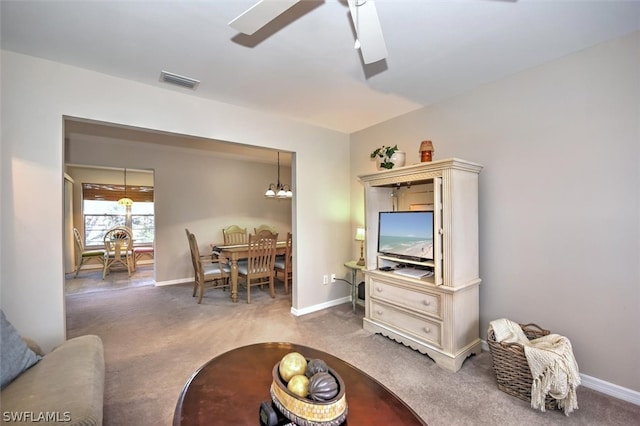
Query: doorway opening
x,y
93,209
201,184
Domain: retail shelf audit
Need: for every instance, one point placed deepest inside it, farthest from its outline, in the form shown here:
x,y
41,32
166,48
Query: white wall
x,y
559,197
37,94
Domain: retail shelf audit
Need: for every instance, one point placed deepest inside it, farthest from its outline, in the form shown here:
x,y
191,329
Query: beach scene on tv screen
x,y
409,234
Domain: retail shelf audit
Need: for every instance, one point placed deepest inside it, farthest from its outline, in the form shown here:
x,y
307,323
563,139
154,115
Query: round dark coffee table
x,y
229,389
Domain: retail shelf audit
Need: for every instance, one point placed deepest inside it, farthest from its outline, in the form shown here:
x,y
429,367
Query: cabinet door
x,y
437,231
377,199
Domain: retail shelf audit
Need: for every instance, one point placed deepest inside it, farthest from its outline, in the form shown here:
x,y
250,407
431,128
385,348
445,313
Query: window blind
x,y
109,192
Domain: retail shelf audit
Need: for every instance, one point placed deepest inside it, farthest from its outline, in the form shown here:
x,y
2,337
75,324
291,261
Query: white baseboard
x,y
174,282
606,388
610,389
321,306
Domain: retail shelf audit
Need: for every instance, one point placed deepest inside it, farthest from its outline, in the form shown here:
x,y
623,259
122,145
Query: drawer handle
x,y
426,302
379,289
379,312
427,329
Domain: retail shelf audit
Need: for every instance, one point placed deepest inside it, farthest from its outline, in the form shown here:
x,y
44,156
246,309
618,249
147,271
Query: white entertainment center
x,y
429,305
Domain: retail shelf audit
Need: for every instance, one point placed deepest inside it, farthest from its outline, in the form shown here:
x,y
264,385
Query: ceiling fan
x,y
363,13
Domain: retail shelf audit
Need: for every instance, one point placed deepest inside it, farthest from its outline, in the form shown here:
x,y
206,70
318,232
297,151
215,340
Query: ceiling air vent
x,y
179,80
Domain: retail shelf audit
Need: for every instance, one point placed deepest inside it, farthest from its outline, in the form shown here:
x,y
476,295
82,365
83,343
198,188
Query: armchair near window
x,y
259,266
235,235
83,255
206,269
283,264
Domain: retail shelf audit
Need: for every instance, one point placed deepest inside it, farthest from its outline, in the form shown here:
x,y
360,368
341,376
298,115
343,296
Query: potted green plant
x,y
388,156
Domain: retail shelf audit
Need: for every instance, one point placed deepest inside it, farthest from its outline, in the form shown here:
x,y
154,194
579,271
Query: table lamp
x,y
360,237
426,149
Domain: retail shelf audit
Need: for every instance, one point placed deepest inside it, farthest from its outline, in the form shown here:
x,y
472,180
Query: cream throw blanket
x,y
553,366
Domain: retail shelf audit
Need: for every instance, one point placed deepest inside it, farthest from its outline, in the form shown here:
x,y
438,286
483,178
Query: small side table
x,y
353,265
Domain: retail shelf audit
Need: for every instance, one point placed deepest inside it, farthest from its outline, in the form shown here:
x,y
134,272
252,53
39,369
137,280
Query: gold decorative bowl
x,y
307,412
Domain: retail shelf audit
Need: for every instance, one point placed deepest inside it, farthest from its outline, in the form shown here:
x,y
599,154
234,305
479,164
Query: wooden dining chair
x,y
266,233
258,269
235,235
206,269
265,227
118,245
83,255
283,264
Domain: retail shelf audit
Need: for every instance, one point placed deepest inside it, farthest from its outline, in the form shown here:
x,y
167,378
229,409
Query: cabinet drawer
x,y
421,328
428,303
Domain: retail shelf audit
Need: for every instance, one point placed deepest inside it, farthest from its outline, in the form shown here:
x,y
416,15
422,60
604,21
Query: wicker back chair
x,y
118,245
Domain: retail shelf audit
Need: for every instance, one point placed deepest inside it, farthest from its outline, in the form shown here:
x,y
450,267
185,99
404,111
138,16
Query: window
x,y
102,212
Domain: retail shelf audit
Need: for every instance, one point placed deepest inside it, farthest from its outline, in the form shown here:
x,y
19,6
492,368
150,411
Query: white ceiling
x,y
303,66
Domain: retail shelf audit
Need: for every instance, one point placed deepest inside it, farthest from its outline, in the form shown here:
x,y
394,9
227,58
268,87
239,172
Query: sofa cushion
x,y
68,381
15,354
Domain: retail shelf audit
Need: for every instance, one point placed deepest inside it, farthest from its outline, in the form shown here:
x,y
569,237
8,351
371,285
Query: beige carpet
x,y
90,280
156,337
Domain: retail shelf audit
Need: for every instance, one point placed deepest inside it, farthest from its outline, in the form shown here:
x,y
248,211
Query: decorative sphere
x,y
292,364
299,385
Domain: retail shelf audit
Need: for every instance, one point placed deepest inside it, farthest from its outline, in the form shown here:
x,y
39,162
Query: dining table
x,y
235,252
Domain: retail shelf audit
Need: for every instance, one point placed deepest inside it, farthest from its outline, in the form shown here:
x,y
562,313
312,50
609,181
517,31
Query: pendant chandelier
x,y
125,201
278,190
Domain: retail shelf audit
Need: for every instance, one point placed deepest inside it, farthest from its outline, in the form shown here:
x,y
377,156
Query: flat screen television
x,y
406,234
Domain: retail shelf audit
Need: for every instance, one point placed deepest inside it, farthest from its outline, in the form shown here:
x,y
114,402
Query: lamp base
x,y
360,262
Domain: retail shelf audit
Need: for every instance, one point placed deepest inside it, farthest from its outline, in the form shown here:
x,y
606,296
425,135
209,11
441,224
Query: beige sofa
x,y
66,386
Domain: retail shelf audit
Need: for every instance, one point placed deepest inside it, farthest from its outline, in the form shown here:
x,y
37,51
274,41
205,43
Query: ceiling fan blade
x,y
260,14
368,30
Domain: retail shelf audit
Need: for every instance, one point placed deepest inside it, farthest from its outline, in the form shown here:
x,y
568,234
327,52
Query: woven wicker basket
x,y
511,367
305,412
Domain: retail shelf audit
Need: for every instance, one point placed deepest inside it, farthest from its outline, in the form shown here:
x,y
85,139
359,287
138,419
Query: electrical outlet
x,y
325,279
333,278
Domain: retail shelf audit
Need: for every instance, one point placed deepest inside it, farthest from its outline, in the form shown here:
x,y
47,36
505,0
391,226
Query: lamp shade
x,y
270,191
360,234
426,146
125,201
